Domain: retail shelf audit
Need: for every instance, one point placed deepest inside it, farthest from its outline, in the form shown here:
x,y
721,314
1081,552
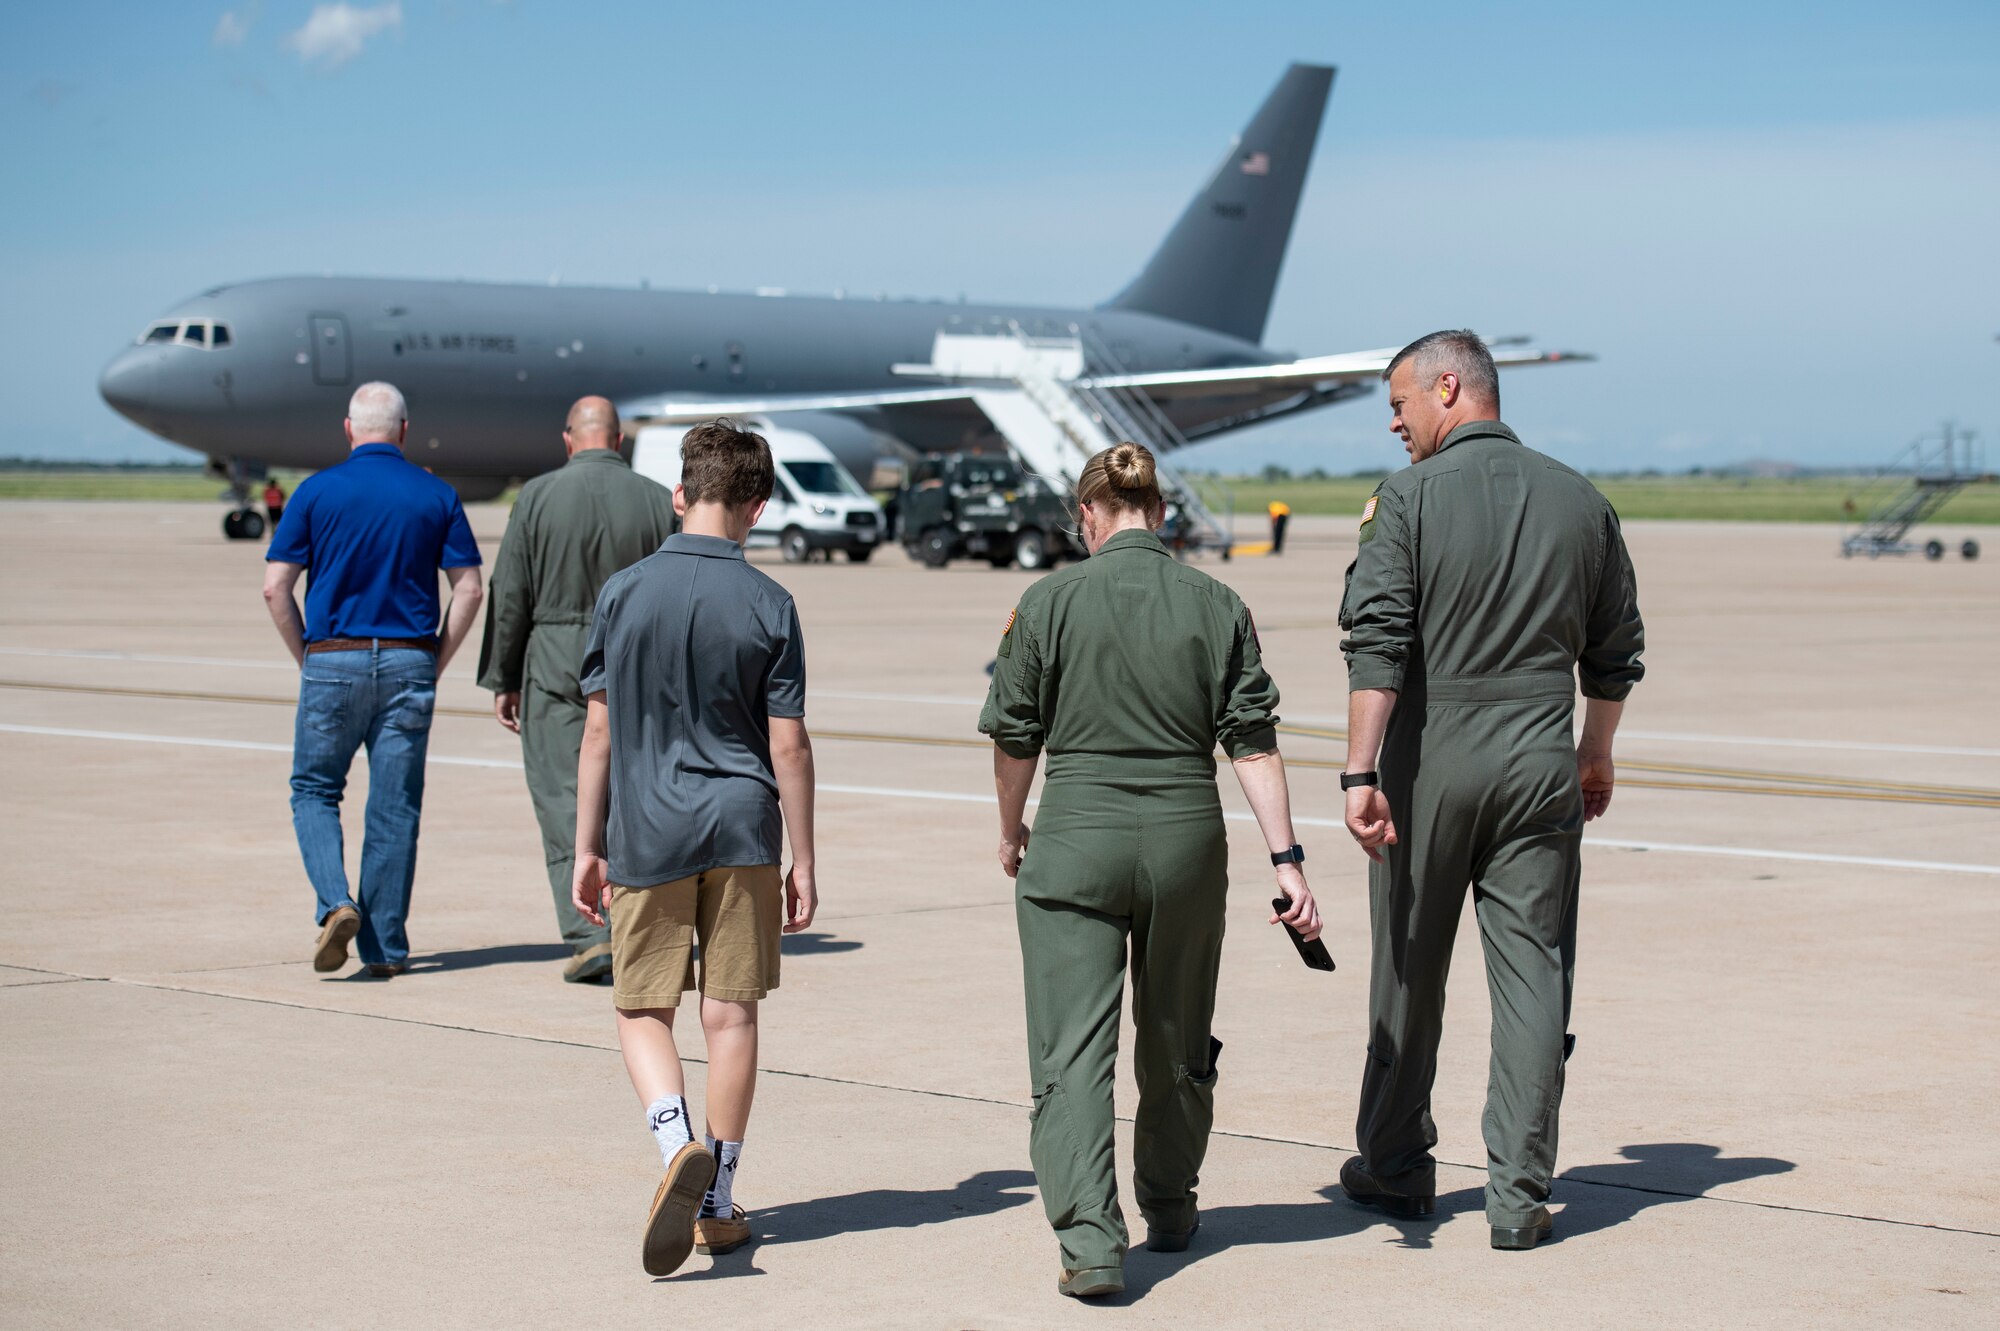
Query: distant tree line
x,y
70,464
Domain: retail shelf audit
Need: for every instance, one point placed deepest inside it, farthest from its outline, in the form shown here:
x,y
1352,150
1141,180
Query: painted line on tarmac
x,y
954,797
968,700
1795,785
967,1098
1859,746
83,654
1804,856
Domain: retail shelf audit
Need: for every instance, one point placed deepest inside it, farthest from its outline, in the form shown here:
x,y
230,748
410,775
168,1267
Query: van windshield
x,y
822,478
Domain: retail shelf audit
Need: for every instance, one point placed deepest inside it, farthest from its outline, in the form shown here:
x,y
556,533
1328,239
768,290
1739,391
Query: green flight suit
x,y
570,530
1489,578
1128,668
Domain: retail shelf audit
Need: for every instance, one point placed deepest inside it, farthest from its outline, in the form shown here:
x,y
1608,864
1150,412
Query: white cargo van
x,y
815,505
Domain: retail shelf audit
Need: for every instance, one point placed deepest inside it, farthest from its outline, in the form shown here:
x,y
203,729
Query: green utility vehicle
x,y
982,506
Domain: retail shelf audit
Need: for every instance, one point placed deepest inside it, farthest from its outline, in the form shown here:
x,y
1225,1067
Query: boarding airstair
x,y
1038,393
1911,489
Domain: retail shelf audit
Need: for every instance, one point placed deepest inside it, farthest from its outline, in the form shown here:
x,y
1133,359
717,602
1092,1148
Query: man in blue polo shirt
x,y
371,534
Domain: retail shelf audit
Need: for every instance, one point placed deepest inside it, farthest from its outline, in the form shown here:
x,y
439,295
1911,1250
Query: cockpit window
x,y
203,333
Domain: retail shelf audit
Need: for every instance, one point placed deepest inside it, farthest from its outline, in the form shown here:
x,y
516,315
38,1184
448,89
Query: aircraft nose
x,y
128,382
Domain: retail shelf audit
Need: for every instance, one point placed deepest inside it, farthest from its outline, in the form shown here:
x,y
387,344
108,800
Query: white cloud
x,y
234,25
334,34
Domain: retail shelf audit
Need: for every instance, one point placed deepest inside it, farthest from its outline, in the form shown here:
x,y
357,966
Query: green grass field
x,y
1709,498
1705,498
168,483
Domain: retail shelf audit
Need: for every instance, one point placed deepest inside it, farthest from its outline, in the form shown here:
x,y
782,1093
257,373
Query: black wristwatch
x,y
1354,780
1296,855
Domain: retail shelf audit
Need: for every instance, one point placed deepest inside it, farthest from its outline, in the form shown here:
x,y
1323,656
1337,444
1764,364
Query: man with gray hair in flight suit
x,y
1490,581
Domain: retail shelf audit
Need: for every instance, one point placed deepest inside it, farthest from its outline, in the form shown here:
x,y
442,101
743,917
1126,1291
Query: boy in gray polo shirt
x,y
695,761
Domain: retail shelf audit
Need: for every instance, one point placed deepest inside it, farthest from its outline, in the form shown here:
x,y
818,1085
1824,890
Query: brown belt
x,y
369,644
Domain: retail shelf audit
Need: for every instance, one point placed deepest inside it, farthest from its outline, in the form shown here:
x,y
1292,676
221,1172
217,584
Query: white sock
x,y
721,1196
708,1199
668,1118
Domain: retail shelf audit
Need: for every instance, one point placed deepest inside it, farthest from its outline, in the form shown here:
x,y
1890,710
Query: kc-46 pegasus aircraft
x,y
256,374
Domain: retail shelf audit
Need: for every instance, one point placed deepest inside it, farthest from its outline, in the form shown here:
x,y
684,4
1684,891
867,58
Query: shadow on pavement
x,y
817,945
1655,1174
893,1208
1227,1227
729,1266
474,957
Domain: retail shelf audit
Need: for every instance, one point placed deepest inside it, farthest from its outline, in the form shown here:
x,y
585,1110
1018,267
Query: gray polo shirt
x,y
694,651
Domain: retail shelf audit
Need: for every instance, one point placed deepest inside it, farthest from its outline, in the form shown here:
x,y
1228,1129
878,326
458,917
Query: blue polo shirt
x,y
372,534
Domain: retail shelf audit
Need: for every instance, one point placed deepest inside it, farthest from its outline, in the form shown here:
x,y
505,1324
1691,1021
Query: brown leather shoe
x,y
330,952
588,966
670,1224
387,970
718,1234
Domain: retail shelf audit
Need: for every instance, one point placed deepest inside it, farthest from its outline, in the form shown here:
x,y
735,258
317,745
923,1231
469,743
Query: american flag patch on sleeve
x,y
1368,511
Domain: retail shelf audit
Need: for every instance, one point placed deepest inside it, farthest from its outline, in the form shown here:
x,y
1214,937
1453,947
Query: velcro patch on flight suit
x,y
1368,518
1007,634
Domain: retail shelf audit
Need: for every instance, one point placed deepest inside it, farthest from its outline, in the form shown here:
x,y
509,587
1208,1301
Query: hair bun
x,y
1130,467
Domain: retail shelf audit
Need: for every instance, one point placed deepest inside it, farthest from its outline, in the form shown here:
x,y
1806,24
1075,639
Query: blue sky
x,y
1775,224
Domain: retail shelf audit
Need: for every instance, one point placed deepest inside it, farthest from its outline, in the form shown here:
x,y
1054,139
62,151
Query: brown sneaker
x,y
330,953
718,1234
670,1225
387,970
589,966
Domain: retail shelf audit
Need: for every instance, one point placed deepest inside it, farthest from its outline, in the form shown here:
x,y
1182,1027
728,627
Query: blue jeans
x,y
383,698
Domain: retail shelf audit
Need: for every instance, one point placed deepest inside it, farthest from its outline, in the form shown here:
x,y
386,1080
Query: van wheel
x,y
935,545
1031,549
796,549
860,554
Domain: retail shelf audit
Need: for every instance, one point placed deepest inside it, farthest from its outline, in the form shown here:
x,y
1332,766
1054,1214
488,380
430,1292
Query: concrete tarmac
x,y
1784,1108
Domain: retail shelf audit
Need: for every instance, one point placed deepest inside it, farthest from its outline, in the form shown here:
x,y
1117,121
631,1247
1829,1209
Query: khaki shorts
x,y
737,913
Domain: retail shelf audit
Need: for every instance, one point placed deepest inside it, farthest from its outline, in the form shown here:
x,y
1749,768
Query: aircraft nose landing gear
x,y
242,522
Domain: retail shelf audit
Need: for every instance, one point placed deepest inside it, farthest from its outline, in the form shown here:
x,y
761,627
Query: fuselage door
x,y
330,359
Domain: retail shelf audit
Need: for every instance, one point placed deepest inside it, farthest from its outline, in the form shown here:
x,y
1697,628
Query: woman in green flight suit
x,y
1129,669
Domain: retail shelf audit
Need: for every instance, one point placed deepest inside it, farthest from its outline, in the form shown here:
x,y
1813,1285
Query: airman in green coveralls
x,y
570,530
1489,582
1128,669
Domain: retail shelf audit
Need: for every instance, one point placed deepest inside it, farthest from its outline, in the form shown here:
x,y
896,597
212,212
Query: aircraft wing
x,y
674,410
1344,367
1231,381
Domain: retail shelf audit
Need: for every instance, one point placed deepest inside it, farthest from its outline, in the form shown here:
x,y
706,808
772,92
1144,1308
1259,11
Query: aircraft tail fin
x,y
1219,265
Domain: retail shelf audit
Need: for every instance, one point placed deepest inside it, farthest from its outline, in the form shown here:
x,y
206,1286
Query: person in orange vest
x,y
274,501
1281,516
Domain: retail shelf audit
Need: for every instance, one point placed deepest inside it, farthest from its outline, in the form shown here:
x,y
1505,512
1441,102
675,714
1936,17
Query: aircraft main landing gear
x,y
243,524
